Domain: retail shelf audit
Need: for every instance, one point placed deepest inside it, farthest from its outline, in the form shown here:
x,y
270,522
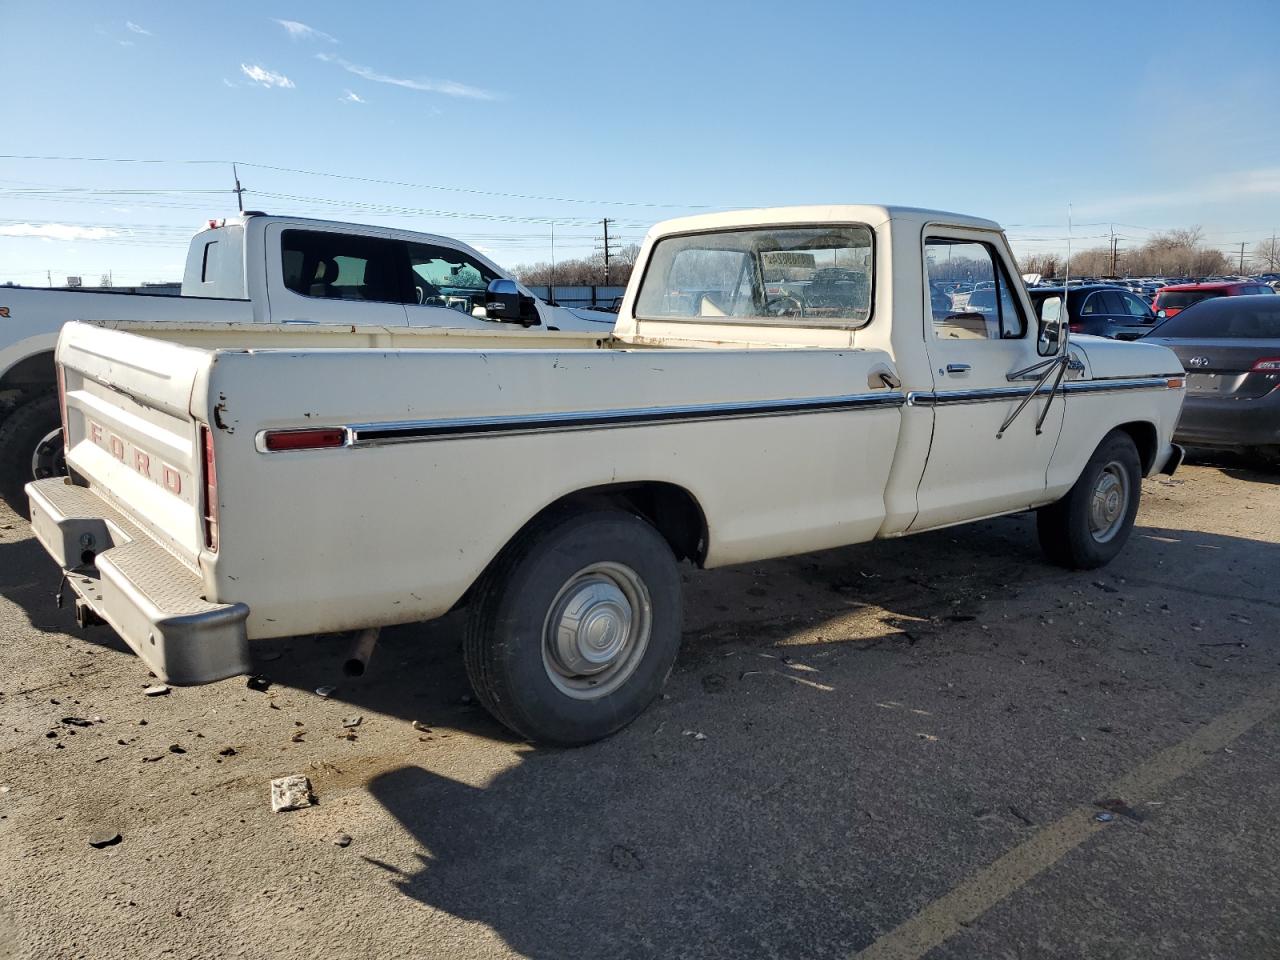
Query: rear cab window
x,y
343,266
819,276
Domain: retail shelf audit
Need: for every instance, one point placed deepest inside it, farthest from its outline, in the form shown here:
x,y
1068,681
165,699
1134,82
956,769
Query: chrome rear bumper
x,y
151,599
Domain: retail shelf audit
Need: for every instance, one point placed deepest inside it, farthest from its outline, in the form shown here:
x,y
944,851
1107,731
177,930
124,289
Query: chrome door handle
x,y
957,368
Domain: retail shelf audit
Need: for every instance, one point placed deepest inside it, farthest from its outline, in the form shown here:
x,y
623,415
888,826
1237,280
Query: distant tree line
x,y
1172,253
581,273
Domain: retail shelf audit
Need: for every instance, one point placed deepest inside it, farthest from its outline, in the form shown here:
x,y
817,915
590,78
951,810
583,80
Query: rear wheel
x,y
574,629
1092,523
31,448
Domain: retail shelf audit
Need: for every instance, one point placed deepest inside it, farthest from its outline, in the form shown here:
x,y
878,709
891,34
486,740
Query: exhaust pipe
x,y
358,659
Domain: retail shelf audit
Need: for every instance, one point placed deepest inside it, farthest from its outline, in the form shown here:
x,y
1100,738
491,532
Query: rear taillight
x,y
314,438
1076,327
62,403
1266,365
209,509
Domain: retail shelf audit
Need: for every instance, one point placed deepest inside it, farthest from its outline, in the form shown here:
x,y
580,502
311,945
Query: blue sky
x,y
1146,115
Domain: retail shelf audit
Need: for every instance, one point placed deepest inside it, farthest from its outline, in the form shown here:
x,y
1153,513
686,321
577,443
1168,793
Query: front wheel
x,y
1090,525
574,629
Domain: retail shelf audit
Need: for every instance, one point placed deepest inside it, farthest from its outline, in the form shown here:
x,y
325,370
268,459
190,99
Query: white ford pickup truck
x,y
779,381
258,269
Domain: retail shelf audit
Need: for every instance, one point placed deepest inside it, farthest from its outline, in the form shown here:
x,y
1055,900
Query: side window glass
x,y
444,277
1092,306
970,298
1135,307
209,268
340,266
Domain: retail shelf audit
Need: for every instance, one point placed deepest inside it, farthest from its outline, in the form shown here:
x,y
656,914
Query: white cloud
x,y
449,88
56,231
134,28
125,43
352,97
265,77
300,31
229,83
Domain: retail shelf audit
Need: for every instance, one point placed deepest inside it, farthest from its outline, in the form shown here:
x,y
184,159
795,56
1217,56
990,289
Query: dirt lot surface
x,y
934,747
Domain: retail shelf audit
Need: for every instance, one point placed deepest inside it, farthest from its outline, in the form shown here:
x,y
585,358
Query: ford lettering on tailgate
x,y
131,455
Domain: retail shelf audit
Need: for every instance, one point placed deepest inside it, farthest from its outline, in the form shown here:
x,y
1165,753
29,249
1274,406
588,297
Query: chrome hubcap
x,y
49,458
1110,502
597,630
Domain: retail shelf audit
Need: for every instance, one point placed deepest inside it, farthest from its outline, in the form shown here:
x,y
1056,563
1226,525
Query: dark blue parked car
x,y
1101,310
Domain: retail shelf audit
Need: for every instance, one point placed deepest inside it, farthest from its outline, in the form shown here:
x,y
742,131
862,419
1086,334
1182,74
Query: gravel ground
x,y
905,748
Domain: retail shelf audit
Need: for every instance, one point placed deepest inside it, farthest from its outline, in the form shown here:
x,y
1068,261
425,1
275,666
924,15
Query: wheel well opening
x,y
1145,439
32,373
671,510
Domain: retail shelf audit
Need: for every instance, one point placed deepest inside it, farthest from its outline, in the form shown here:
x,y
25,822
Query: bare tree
x,y
1267,255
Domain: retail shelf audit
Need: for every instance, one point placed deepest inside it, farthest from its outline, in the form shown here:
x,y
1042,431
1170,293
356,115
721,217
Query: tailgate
x,y
130,432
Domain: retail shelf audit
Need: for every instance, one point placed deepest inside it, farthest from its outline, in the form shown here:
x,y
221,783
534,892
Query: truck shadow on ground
x,y
1238,466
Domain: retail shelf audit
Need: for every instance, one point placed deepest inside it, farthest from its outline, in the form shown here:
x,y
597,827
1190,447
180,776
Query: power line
x,y
377,180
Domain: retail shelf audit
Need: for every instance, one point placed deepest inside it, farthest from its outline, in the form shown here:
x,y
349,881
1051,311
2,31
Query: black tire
x,y
1069,529
511,662
29,430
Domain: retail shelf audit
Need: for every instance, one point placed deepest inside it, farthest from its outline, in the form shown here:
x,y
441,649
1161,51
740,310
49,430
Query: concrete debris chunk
x,y
259,682
421,727
342,840
291,793
325,691
159,690
351,722
104,838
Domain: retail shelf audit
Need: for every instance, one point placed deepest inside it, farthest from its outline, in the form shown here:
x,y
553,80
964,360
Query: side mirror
x,y
1050,326
502,301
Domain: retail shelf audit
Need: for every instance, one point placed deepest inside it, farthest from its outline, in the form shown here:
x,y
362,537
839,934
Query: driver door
x,y
446,285
975,339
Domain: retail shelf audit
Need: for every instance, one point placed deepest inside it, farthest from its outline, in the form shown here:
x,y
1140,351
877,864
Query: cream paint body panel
x,y
365,535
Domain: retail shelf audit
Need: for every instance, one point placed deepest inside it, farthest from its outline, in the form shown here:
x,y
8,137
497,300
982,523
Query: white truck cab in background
x,y
262,269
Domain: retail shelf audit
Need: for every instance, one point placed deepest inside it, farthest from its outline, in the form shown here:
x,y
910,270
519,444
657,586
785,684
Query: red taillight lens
x,y
1266,365
1076,327
312,439
210,506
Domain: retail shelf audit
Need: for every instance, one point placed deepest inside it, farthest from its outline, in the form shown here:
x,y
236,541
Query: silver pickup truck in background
x,y
258,269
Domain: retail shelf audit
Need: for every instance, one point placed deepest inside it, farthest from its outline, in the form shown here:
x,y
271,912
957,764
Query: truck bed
x,y
450,448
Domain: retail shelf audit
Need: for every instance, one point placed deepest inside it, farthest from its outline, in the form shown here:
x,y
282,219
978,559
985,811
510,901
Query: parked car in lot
x,y
330,479
1230,348
1101,310
1173,299
264,270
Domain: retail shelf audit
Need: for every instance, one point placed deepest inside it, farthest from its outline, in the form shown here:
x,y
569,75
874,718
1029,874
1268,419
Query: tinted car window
x,y
1101,303
342,266
1181,299
1134,307
1232,318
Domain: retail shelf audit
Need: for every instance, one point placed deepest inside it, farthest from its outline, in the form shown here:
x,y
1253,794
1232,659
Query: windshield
x,y
817,274
1229,318
1181,299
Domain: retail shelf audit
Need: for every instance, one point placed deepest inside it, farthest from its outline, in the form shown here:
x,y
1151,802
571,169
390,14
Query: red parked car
x,y
1172,300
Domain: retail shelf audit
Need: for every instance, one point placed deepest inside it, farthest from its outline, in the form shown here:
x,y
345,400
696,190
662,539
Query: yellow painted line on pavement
x,y
949,914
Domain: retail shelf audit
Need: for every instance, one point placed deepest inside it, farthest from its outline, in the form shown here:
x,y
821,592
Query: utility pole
x,y
608,250
1242,259
551,281
239,190
49,276
1113,250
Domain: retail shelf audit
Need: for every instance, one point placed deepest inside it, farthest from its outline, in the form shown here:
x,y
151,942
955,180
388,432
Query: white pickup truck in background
x,y
779,381
257,269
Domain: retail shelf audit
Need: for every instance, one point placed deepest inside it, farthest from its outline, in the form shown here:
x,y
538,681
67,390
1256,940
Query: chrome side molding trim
x,y
413,431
